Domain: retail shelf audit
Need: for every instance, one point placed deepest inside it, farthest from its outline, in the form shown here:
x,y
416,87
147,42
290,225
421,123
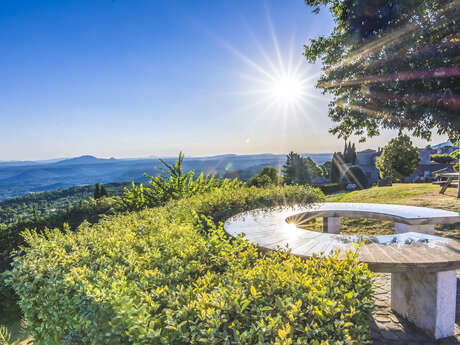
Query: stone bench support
x,y
424,229
428,300
331,225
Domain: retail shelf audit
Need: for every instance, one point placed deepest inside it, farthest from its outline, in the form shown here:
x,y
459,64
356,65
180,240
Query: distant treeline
x,y
45,204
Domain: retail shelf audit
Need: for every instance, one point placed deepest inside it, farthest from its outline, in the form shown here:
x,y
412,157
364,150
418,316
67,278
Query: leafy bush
x,y
89,210
355,175
331,188
442,158
174,183
267,176
170,276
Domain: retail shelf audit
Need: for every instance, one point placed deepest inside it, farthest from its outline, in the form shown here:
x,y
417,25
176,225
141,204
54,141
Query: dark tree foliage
x,y
326,169
100,191
391,64
349,154
295,171
97,191
313,169
103,192
337,163
267,176
355,175
399,159
442,158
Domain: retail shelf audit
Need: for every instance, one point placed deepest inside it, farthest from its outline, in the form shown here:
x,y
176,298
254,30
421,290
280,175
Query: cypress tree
x,y
337,162
103,192
355,156
97,191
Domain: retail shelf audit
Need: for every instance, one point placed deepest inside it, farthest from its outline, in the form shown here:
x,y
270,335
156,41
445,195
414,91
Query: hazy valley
x,y
20,178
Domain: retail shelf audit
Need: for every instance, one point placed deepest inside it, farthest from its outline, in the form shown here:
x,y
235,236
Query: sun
x,y
276,81
287,90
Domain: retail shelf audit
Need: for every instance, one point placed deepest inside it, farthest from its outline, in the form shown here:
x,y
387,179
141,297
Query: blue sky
x,y
137,78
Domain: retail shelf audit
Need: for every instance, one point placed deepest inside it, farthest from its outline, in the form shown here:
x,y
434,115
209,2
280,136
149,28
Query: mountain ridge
x,y
17,180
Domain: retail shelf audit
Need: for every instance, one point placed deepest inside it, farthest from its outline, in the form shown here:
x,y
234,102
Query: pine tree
x,y
295,170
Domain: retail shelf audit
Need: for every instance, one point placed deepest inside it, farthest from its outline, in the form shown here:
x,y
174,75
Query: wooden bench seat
x,y
422,265
450,178
443,182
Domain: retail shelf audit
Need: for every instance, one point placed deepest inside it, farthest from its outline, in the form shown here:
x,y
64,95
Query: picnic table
x,y
450,178
422,266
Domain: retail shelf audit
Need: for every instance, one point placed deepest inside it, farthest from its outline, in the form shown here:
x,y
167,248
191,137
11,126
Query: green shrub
x,y
89,210
355,175
172,184
170,276
267,176
331,188
442,158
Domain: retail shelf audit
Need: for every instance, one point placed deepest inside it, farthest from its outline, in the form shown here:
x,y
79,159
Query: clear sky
x,y
133,78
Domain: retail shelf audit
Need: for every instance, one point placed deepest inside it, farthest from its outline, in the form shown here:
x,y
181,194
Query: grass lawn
x,y
414,194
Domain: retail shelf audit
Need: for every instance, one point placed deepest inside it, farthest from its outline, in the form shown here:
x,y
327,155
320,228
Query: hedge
x,y
170,276
442,158
355,175
331,188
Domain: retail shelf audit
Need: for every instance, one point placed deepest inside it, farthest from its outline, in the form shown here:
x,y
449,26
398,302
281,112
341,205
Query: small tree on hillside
x,y
100,191
326,169
313,169
97,191
295,170
103,192
267,176
399,158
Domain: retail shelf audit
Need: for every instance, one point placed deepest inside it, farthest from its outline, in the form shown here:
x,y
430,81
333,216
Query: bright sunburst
x,y
287,90
278,81
281,86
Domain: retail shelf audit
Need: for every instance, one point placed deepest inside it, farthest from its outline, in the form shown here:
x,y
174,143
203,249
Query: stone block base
x,y
428,300
424,229
331,225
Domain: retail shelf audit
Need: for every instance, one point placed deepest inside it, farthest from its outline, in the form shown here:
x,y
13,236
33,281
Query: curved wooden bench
x,y
423,266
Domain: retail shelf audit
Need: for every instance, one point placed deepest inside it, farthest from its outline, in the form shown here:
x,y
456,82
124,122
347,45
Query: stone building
x,y
367,160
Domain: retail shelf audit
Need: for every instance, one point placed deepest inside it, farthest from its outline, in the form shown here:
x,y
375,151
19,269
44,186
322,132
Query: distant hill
x,y
83,160
18,179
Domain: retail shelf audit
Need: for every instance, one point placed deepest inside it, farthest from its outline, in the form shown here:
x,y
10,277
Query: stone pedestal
x,y
424,229
428,300
331,225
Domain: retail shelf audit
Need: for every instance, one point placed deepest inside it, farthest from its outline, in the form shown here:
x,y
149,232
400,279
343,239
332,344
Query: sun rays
x,y
277,79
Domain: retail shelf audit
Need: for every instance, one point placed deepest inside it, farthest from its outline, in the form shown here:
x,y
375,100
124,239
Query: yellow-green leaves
x,y
170,275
